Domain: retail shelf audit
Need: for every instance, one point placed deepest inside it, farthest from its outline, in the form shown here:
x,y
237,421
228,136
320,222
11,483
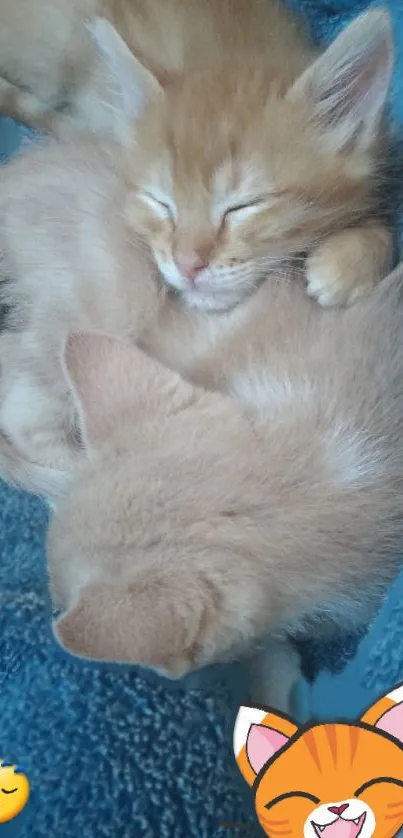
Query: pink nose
x,y
338,810
190,265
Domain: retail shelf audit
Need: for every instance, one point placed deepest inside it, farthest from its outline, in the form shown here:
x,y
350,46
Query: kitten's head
x,y
235,170
141,550
330,780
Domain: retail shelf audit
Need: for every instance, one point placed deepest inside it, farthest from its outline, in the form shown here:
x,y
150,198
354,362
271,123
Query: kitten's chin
x,y
208,302
217,301
213,298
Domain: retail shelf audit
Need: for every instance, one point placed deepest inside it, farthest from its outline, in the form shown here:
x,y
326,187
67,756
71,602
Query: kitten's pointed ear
x,y
347,87
132,84
387,714
109,379
152,620
97,369
258,736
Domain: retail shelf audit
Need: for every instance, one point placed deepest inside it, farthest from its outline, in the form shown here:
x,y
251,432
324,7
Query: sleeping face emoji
x,y
14,792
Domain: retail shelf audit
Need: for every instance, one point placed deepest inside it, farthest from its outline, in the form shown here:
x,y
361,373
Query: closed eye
x,y
9,791
375,782
245,206
237,213
289,794
163,209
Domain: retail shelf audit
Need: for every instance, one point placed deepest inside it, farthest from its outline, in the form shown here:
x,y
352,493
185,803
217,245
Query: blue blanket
x,y
114,751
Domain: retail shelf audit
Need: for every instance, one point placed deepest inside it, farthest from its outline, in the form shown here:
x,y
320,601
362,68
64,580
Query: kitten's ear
x,y
98,370
387,714
132,84
347,87
154,621
109,379
258,736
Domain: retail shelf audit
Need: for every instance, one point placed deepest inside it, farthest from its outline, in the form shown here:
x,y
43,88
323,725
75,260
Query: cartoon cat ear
x,y
258,736
155,620
109,378
347,87
387,714
132,84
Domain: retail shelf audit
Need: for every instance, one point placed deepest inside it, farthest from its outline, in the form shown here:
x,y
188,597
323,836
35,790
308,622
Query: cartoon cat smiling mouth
x,y
341,827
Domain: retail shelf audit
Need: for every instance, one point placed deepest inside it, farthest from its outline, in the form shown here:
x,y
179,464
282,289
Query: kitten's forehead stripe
x,y
224,179
354,734
310,742
235,180
331,734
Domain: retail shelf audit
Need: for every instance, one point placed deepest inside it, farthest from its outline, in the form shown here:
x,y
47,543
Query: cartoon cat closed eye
x,y
337,780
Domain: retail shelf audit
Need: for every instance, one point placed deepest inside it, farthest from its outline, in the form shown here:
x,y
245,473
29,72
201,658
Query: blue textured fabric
x,y
376,667
114,751
109,751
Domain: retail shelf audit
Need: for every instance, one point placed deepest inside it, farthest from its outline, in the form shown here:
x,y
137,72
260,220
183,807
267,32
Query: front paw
x,y
347,266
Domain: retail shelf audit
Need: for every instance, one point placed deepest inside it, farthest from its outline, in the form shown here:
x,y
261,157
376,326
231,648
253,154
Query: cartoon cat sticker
x,y
325,780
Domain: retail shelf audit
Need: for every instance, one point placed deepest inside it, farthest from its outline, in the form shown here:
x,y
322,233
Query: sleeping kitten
x,y
193,529
249,149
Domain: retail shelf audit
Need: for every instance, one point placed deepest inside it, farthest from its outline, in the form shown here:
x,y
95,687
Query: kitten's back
x,y
270,522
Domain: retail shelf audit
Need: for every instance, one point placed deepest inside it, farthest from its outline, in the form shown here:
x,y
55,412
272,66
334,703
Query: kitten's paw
x,y
273,673
348,265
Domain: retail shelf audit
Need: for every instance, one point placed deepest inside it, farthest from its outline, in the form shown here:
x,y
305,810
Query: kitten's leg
x,y
23,106
23,467
349,263
273,673
34,421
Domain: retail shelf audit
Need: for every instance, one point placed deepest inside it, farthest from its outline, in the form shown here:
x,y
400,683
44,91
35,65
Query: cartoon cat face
x,y
340,780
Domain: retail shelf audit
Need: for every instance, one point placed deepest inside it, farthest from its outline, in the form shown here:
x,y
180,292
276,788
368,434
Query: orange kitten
x,y
336,780
244,163
250,148
192,527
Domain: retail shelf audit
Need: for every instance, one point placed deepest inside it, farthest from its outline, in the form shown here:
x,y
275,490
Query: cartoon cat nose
x,y
338,810
190,264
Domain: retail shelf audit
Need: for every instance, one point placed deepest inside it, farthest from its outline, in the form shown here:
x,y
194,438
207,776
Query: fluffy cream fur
x,y
187,525
193,528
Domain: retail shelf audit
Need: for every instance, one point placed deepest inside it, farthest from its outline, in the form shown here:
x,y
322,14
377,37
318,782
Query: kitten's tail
x,y
45,481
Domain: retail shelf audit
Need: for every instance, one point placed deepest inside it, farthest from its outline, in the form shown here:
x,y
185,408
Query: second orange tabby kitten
x,y
245,147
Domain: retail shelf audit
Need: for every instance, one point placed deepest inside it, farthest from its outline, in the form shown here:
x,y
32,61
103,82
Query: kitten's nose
x,y
338,810
190,264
